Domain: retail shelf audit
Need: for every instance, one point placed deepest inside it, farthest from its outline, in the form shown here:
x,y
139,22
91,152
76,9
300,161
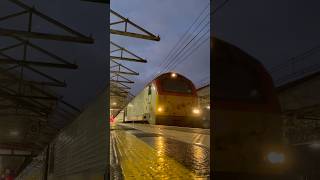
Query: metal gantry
x,y
74,36
121,53
119,82
124,31
24,95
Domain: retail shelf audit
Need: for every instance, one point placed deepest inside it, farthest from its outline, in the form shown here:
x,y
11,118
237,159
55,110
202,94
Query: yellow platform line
x,y
140,161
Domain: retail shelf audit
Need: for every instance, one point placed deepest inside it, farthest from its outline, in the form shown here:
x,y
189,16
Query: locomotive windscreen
x,y
236,82
176,85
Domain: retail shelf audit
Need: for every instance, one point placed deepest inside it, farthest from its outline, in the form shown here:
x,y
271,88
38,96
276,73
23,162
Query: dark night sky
x,y
84,83
272,31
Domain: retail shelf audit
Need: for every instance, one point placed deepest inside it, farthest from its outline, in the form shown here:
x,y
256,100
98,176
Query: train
x,y
170,99
247,139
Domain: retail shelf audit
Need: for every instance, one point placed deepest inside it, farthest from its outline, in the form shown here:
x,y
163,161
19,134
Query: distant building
x,y
204,95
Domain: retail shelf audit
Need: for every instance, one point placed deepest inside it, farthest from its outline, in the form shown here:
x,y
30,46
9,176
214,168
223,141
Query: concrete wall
x,y
300,94
300,97
81,149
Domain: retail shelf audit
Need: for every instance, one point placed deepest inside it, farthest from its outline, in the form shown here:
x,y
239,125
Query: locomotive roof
x,y
234,56
237,54
169,74
221,49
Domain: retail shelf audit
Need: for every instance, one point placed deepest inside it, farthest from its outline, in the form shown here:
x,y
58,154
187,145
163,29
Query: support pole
x,y
46,164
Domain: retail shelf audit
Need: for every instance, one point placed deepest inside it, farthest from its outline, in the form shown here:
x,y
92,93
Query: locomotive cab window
x,y
236,82
149,90
176,85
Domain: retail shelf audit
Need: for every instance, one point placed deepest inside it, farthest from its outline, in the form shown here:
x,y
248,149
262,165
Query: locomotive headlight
x,y
160,109
196,111
173,75
275,157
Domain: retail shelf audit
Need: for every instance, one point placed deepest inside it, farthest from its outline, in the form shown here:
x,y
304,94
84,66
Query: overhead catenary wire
x,y
195,49
175,63
176,57
185,46
185,42
219,7
182,58
289,69
166,63
295,59
182,48
182,40
184,35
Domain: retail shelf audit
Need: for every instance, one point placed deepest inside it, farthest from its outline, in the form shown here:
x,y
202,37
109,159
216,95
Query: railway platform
x,y
143,151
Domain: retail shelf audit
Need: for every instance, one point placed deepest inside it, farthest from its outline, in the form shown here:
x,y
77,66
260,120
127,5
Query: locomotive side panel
x,y
136,109
153,104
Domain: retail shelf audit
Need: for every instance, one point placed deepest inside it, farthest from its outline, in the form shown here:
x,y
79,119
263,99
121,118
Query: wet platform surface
x,y
145,155
184,134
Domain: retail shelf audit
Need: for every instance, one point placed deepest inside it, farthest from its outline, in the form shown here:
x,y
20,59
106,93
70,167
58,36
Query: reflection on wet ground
x,y
138,160
115,166
190,130
193,157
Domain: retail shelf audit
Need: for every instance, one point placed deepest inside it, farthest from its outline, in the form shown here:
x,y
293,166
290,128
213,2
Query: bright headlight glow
x,y
160,109
173,75
275,157
196,111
